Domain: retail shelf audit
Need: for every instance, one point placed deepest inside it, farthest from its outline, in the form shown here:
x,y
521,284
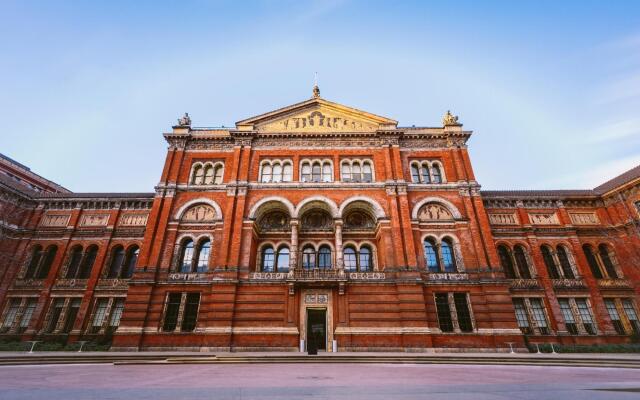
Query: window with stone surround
x,y
192,257
17,314
316,170
559,263
181,310
577,315
531,316
357,170
272,260
106,315
602,262
274,171
357,259
516,264
208,173
427,171
40,262
441,255
623,315
454,312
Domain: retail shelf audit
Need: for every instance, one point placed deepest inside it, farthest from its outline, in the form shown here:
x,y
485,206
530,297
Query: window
x,y
207,174
27,314
218,174
266,173
204,249
268,258
606,260
444,312
506,262
632,316
87,263
316,172
431,255
308,258
426,171
447,256
324,257
531,316
521,262
306,172
186,257
437,176
425,175
10,315
350,259
415,173
615,317
57,306
74,262
130,262
567,314
36,257
72,313
577,316
327,172
198,175
287,172
586,316
189,303
462,310
357,260
522,317
346,172
539,316
365,259
563,257
275,171
99,315
550,263
41,270
116,314
282,262
367,172
357,170
591,260
117,258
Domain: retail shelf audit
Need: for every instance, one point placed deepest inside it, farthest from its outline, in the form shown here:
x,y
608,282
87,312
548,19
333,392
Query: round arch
x,y
253,213
331,206
201,200
375,207
445,203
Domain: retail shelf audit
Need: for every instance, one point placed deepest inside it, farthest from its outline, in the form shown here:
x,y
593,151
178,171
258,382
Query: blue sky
x,y
551,89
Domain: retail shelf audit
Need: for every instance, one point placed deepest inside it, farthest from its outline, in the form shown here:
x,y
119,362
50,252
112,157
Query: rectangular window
x,y
72,313
537,310
462,309
585,314
190,312
99,315
569,319
116,314
444,312
56,312
27,314
632,316
171,313
522,317
615,317
10,317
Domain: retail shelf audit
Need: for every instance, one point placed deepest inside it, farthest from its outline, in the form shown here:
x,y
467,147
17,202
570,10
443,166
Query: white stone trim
x,y
333,208
377,209
200,200
445,203
278,199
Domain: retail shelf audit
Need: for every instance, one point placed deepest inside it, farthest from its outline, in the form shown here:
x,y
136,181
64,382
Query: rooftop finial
x,y
316,89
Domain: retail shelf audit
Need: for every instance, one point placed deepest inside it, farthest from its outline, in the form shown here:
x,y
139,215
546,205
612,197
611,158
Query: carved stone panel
x,y
584,218
275,220
358,220
94,220
503,219
200,213
434,212
133,219
316,220
544,218
55,220
318,121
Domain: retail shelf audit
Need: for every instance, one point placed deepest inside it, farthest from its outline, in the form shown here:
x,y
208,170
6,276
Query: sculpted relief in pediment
x,y
318,121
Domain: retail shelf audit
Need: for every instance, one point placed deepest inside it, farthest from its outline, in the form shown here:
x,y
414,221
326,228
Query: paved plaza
x,y
315,381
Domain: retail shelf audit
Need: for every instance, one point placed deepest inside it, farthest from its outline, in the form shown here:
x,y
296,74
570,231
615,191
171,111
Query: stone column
x,y
293,260
338,244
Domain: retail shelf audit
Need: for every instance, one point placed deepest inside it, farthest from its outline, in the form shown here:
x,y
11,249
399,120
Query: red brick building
x,y
319,223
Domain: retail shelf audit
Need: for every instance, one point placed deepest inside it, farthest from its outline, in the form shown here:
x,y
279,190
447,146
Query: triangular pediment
x,y
316,115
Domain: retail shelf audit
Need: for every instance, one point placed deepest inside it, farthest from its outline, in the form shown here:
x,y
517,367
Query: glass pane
x,y
198,175
306,172
217,179
565,307
426,178
132,260
34,262
564,262
346,173
367,172
208,175
10,317
171,314
309,258
99,314
415,174
550,263
505,261
283,259
316,174
324,258
327,173
462,310
444,312
266,173
606,260
537,309
50,255
277,173
433,264
287,174
521,261
356,172
28,313
117,258
268,257
593,263
437,176
203,256
521,313
447,257
116,312
187,257
87,264
350,262
190,317
74,263
365,259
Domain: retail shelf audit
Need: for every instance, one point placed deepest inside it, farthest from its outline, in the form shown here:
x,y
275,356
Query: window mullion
x,y
623,315
107,312
183,301
63,315
454,312
577,316
18,317
532,320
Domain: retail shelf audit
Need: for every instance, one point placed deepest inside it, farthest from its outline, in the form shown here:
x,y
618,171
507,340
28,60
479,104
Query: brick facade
x,y
380,230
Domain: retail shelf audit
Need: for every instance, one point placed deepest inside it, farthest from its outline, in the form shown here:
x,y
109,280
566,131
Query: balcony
x,y
71,284
614,284
568,284
525,284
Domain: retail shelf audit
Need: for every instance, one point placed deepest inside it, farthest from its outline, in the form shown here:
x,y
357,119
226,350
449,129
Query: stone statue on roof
x,y
185,120
450,119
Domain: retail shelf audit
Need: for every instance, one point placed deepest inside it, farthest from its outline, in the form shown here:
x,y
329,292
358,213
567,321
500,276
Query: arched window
x,y
204,249
308,258
266,173
563,257
277,173
426,177
74,262
356,172
327,172
117,257
130,262
287,173
186,256
437,174
593,262
36,257
217,177
268,259
350,260
506,262
324,257
198,175
606,260
306,172
549,262
367,172
283,259
87,263
364,259
208,175
415,173
448,259
521,262
431,255
346,172
49,256
316,172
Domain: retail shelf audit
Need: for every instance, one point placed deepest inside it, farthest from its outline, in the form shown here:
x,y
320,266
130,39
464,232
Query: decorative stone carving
x,y
450,120
316,298
358,220
543,218
189,277
503,219
367,276
199,213
614,284
316,220
268,276
318,121
434,212
94,220
185,120
584,218
274,220
568,284
55,220
448,276
525,284
133,219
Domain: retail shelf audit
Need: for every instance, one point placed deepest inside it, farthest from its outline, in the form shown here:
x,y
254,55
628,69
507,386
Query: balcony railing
x,y
113,284
614,284
29,283
568,284
525,284
316,275
447,276
71,283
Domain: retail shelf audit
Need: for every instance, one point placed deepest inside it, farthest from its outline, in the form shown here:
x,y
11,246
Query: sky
x,y
551,89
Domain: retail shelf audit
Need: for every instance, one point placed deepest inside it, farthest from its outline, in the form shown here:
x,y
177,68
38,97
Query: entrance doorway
x,y
317,328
